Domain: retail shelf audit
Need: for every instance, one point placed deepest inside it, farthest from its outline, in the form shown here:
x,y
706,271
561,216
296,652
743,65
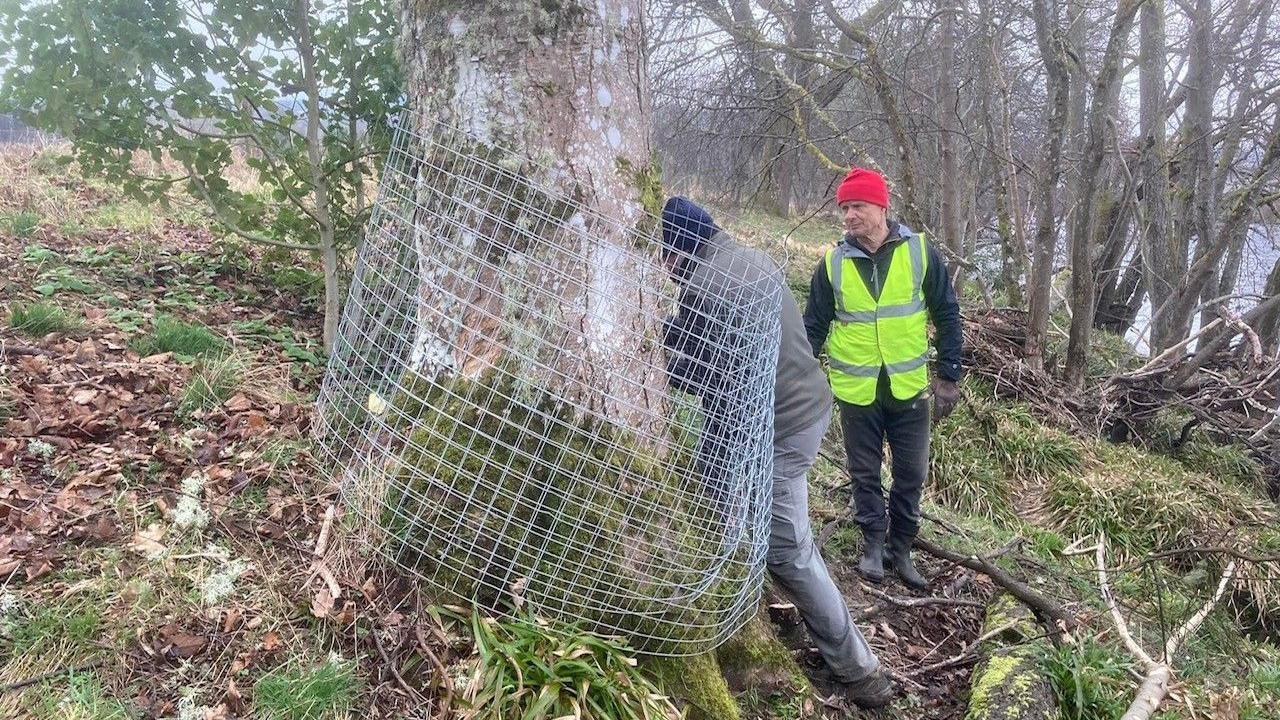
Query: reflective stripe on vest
x,y
871,333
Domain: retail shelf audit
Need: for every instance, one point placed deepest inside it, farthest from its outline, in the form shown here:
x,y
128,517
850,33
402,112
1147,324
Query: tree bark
x,y
949,180
558,96
1106,95
1269,322
1157,246
1045,243
319,178
1010,226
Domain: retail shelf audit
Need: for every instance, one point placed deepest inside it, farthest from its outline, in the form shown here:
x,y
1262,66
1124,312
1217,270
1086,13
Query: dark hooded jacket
x,y
802,395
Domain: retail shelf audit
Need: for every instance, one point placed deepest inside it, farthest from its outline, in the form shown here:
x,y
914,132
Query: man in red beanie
x,y
869,303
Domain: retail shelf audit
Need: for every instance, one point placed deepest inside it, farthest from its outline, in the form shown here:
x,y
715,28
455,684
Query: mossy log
x,y
1009,683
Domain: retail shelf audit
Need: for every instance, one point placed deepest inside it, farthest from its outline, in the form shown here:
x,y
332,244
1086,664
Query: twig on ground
x,y
830,528
50,675
1155,683
322,542
921,602
395,672
446,703
969,653
1063,620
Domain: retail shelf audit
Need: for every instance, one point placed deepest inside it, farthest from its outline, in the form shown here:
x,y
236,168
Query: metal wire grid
x,y
14,132
501,400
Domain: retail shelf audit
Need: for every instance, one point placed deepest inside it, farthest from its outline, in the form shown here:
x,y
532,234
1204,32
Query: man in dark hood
x,y
718,277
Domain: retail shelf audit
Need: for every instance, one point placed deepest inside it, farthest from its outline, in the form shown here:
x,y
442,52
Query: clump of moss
x,y
500,493
1010,682
647,179
757,665
698,683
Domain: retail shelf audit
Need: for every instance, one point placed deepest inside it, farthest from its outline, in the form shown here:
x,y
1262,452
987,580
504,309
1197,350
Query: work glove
x,y
946,393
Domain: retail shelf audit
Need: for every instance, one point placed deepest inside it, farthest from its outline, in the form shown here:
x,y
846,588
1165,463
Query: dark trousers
x,y
905,424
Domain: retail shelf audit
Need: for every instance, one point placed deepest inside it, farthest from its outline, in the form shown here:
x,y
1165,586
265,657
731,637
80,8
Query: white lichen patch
x,y
41,449
604,97
188,708
10,609
457,27
190,511
220,585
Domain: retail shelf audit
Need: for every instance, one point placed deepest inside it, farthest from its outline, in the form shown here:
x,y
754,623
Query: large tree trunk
x,y
557,97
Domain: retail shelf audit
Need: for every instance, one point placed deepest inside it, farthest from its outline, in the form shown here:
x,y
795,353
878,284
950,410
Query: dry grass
x,y
30,182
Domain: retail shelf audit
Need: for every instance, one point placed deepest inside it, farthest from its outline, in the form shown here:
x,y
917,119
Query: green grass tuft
x,y
169,334
84,699
1229,463
212,383
22,223
40,319
531,669
1091,681
327,690
1262,691
1145,502
127,215
54,625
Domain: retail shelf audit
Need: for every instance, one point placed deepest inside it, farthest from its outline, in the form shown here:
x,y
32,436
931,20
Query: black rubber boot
x,y
871,566
898,559
872,691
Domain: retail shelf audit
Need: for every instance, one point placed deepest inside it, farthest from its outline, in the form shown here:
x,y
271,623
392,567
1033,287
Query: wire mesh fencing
x,y
532,401
14,132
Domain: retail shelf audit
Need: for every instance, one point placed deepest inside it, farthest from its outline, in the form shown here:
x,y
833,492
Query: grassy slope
x,y
168,604
998,473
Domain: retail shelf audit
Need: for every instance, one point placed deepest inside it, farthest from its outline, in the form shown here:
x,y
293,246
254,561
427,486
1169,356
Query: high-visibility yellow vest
x,y
869,333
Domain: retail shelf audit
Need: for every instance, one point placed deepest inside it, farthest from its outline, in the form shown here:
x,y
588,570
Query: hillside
x,y
170,548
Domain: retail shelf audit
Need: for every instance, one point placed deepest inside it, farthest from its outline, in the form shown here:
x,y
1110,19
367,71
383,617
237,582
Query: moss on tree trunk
x,y
753,674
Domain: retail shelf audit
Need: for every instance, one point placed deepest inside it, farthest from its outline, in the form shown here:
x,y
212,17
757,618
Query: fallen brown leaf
x,y
147,542
271,641
238,403
322,603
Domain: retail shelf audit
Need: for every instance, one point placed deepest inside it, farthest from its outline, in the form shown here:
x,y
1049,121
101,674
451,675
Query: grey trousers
x,y
795,564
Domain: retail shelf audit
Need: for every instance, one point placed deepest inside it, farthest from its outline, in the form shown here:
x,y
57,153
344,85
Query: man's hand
x,y
945,396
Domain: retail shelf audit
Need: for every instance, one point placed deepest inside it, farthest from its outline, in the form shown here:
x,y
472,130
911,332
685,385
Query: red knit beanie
x,y
865,185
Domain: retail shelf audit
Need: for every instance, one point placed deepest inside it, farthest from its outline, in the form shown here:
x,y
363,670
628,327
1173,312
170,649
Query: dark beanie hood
x,y
686,226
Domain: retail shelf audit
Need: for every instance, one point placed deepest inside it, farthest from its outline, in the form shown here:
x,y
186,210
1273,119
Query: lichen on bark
x,y
561,86
1009,683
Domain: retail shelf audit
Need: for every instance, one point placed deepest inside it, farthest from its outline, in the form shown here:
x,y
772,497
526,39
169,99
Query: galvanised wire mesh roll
x,y
525,404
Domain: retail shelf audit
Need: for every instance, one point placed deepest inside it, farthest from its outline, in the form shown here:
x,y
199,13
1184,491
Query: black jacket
x,y
939,300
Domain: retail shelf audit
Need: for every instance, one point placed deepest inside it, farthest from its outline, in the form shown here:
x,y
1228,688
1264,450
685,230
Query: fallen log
x,y
1008,682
